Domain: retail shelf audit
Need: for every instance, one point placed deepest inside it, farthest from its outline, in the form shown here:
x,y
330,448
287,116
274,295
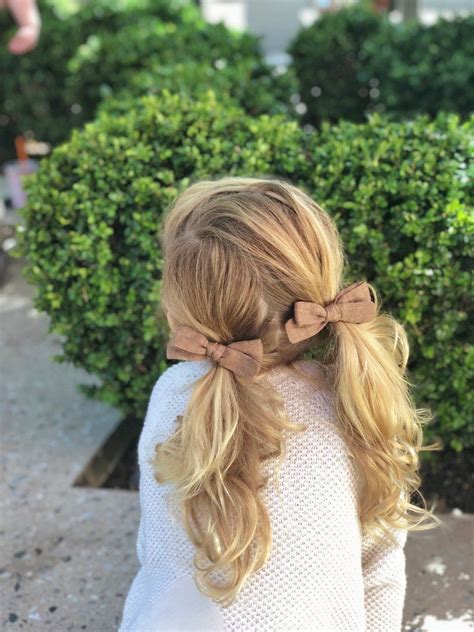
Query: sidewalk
x,y
68,554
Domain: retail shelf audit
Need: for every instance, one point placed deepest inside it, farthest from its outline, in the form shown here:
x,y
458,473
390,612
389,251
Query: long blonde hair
x,y
238,252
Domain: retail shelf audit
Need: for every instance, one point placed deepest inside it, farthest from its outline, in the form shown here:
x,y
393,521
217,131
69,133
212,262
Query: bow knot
x,y
353,304
215,350
333,313
242,357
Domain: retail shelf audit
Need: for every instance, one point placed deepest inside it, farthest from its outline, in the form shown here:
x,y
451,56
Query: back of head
x,y
239,252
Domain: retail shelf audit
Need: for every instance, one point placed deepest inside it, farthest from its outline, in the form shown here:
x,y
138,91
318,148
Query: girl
x,y
275,489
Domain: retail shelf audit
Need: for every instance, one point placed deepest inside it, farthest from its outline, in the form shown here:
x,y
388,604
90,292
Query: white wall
x,y
277,21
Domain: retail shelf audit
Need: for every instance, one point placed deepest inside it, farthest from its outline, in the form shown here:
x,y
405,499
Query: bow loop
x,y
242,357
353,304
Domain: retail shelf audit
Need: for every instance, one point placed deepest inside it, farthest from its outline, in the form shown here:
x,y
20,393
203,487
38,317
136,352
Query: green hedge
x,y
402,195
399,192
94,214
354,62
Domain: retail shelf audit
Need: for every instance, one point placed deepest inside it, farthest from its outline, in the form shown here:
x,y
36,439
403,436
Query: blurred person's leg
x,y
26,15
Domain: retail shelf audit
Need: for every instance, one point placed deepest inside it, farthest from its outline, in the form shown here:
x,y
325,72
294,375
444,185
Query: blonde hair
x,y
238,253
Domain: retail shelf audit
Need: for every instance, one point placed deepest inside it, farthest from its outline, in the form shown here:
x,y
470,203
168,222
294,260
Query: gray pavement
x,y
68,554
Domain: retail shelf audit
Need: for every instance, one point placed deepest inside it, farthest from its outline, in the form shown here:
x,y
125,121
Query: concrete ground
x,y
68,554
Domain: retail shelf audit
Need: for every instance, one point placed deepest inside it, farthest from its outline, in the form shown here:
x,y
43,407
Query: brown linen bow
x,y
242,357
353,304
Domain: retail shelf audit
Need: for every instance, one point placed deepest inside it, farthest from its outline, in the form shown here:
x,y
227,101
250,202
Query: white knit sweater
x,y
322,574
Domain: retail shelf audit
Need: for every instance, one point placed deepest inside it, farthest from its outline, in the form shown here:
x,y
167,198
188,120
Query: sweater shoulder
x,y
168,400
179,376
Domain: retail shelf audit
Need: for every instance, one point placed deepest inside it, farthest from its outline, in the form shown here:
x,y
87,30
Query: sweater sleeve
x,y
383,566
137,609
167,400
158,555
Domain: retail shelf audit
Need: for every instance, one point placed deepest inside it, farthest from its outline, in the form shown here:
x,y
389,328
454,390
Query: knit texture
x,y
323,573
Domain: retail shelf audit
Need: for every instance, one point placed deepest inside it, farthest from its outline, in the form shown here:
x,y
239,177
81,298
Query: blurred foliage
x,y
354,62
399,192
145,53
31,90
422,69
327,58
100,49
33,94
255,86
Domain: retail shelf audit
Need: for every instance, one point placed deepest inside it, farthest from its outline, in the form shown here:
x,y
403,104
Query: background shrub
x,y
94,215
107,46
31,89
251,83
398,191
354,62
402,196
419,68
327,59
109,63
33,93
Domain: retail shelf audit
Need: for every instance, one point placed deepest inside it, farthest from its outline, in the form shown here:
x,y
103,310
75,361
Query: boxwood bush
x,y
402,196
398,191
354,62
94,215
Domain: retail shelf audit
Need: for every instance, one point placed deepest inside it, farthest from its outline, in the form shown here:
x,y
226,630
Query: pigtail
x,y
230,427
384,428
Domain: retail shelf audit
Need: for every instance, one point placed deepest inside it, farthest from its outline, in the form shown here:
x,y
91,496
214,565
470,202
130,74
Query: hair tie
x,y
353,304
243,357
